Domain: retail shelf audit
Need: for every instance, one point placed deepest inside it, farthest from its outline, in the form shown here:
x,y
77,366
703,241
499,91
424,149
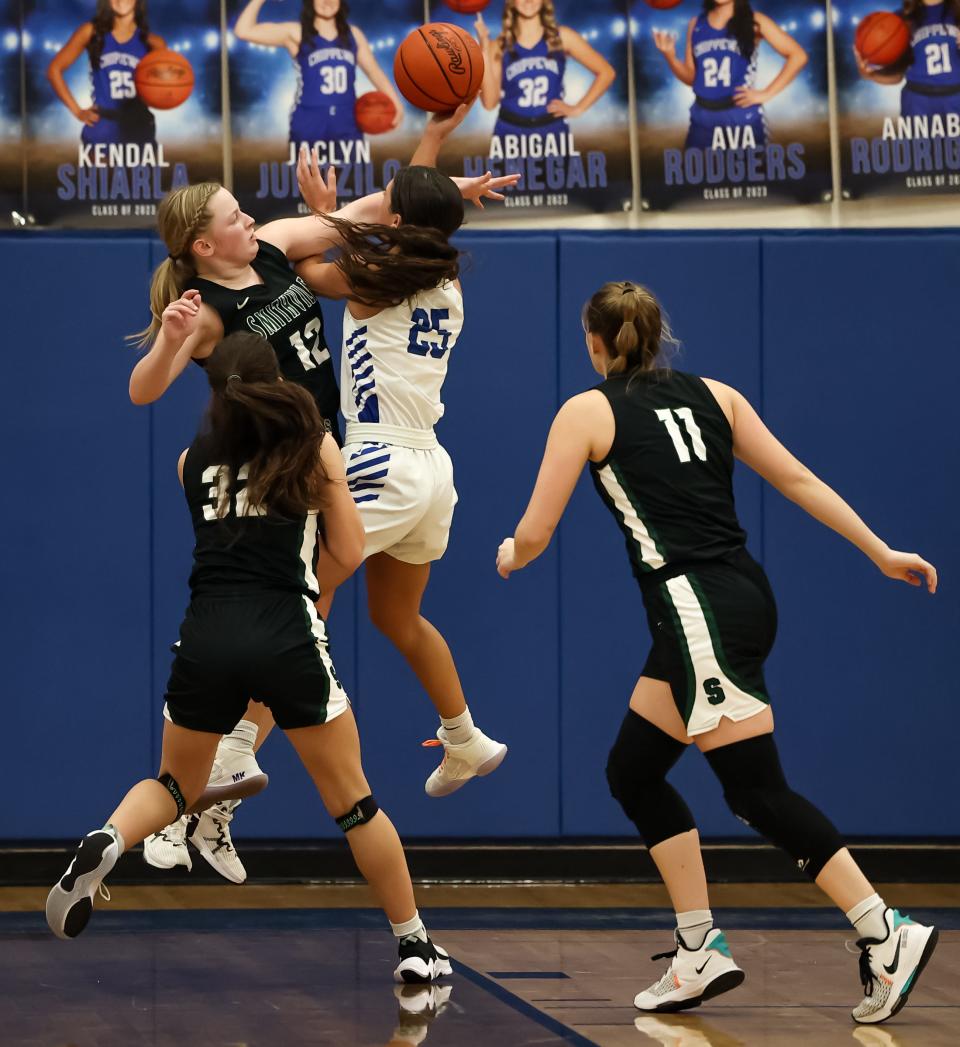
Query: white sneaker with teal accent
x,y
694,975
889,968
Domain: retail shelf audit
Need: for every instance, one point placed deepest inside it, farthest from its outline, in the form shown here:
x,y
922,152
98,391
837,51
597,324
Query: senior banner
x,y
554,105
123,103
305,73
11,127
732,102
898,96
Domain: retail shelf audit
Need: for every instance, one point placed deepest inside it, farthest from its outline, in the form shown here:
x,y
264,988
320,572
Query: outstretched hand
x,y
444,124
180,319
485,186
909,568
319,193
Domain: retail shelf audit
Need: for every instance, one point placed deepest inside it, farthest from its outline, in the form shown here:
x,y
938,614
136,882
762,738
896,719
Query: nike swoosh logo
x,y
896,960
240,305
705,962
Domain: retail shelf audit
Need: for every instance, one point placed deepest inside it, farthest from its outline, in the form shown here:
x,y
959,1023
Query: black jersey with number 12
x,y
668,479
284,311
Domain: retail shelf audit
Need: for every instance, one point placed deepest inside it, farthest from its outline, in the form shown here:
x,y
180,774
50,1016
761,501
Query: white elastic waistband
x,y
377,433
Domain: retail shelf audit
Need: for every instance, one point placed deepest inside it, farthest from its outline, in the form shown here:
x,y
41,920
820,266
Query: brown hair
x,y
182,216
630,323
102,22
548,19
271,426
308,22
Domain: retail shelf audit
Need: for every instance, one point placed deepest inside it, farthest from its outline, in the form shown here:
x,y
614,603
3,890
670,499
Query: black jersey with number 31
x,y
244,551
284,311
668,479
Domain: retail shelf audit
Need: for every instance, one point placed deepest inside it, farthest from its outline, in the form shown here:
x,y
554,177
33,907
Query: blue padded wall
x,y
860,379
853,365
75,535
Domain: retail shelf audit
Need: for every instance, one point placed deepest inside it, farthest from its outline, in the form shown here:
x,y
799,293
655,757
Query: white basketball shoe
x,y
694,975
889,968
210,835
168,848
70,901
460,763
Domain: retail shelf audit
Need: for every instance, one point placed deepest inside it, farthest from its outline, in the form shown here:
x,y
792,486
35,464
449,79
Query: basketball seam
x,y
439,66
466,48
406,71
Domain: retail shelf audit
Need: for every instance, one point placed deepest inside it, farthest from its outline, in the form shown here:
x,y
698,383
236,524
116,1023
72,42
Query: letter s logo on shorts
x,y
714,691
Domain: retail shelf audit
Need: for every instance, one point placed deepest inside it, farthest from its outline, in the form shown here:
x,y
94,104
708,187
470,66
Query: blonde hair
x,y
548,19
633,328
182,216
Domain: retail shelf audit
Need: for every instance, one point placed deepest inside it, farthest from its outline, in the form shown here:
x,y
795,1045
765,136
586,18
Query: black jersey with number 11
x,y
668,479
284,311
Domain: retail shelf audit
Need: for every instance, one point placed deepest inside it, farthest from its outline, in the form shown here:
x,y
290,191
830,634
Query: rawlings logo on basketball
x,y
452,49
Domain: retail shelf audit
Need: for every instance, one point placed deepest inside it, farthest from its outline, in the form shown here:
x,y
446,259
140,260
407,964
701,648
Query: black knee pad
x,y
637,774
361,812
757,792
172,786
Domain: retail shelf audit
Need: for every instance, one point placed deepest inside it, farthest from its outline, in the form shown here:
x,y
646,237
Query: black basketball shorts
x,y
713,627
271,647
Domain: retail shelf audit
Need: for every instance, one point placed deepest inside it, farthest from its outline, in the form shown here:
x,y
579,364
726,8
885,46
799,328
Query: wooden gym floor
x,y
285,965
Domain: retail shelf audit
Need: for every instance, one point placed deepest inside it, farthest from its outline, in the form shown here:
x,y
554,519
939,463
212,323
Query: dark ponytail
x,y
742,26
273,427
628,320
384,264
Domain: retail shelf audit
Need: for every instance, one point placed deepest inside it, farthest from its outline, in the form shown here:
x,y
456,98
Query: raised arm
x,y
666,44
189,331
267,34
603,74
783,44
61,62
367,61
492,66
582,429
756,446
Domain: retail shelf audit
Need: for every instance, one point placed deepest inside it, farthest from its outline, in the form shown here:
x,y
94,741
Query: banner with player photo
x,y
11,125
320,73
898,96
554,105
732,102
123,103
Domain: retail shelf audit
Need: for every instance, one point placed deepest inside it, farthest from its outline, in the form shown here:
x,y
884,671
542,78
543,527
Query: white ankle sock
x,y
241,739
413,926
869,918
115,833
694,926
459,729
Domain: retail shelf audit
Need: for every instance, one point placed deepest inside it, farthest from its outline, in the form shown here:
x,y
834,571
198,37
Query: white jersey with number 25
x,y
393,364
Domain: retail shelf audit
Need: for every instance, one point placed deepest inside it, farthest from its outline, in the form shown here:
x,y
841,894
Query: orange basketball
x,y
468,7
438,67
663,5
375,112
882,38
164,79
